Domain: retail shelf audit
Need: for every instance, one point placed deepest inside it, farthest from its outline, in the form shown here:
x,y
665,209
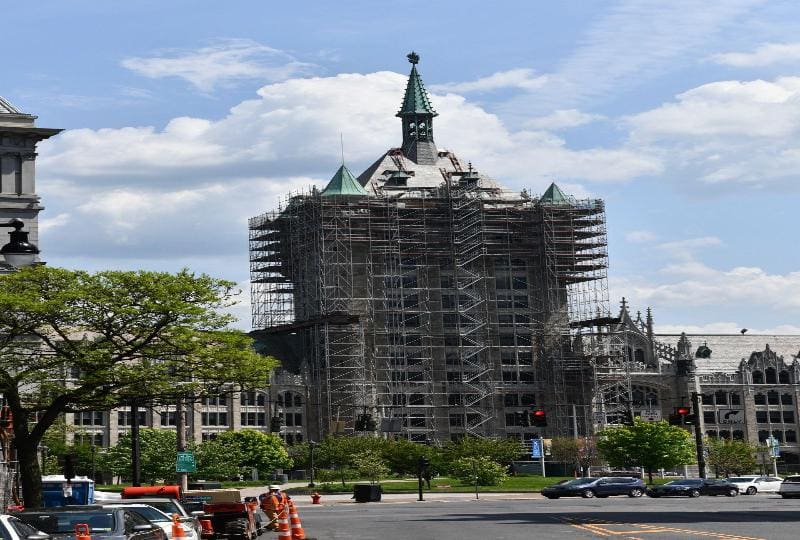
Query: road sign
x,y
731,416
185,463
651,415
536,448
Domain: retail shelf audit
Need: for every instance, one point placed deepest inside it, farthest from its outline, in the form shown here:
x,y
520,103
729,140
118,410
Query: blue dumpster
x,y
56,491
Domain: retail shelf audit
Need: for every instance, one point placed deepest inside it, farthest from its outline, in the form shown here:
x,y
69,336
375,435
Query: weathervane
x,y
413,57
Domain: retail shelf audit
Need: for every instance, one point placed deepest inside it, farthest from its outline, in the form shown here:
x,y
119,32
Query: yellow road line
x,y
600,527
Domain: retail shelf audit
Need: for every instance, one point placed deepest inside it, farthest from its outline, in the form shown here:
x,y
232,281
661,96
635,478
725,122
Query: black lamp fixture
x,y
18,252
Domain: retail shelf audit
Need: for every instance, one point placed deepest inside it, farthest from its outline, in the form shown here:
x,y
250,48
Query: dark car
x,y
104,523
694,487
596,487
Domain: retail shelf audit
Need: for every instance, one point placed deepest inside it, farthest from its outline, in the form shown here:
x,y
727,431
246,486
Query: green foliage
x,y
580,453
157,455
371,465
335,475
489,472
255,450
217,461
502,451
651,445
737,457
402,456
118,336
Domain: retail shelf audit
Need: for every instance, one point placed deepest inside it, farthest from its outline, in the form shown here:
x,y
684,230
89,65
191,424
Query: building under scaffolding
x,y
430,301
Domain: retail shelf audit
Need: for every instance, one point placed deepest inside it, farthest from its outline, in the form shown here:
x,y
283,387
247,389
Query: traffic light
x,y
424,462
520,418
683,417
539,418
69,467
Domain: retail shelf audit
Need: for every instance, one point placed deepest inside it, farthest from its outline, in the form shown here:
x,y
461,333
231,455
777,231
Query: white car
x,y
159,518
790,488
750,485
12,528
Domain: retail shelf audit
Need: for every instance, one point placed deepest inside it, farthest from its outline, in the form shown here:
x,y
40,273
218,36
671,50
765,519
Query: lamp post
x,y
19,251
311,445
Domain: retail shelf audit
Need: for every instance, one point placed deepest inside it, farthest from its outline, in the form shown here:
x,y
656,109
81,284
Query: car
x,y
104,523
790,487
170,506
750,485
596,487
11,528
157,517
694,487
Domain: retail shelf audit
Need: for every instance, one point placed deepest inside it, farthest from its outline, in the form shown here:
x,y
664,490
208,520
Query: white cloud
x,y
222,63
562,119
725,327
764,55
521,78
686,249
640,237
47,224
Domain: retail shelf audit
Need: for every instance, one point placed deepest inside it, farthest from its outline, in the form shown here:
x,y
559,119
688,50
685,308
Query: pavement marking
x,y
602,528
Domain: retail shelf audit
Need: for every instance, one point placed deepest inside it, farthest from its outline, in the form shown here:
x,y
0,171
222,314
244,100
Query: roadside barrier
x,y
297,527
283,523
82,531
177,527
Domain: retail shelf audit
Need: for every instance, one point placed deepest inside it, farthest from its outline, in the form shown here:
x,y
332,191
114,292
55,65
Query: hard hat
x,y
273,486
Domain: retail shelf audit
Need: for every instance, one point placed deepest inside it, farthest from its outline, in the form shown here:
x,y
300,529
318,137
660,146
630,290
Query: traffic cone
x,y
283,523
297,527
82,531
177,528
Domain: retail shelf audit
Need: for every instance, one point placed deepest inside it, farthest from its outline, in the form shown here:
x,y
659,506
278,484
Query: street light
x,y
311,445
18,252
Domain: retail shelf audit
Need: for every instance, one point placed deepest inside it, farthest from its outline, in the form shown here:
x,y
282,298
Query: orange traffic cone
x,y
177,528
297,528
283,523
82,532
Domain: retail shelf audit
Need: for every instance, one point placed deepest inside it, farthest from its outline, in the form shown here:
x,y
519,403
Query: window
x,y
709,417
253,399
761,417
770,376
511,400
214,418
510,376
124,418
638,355
215,400
527,400
786,399
167,418
89,418
708,399
736,399
503,301
721,398
507,357
763,435
758,377
520,301
783,377
723,434
525,358
454,400
254,419
788,417
791,435
457,420
760,399
520,283
503,282
775,417
506,340
778,435
738,434
711,433
773,398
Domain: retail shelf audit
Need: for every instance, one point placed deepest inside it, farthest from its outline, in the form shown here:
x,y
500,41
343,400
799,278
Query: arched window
x,y
758,377
760,399
783,377
771,376
298,400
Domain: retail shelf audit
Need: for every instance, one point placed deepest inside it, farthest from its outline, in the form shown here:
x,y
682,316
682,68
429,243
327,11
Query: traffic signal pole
x,y
698,436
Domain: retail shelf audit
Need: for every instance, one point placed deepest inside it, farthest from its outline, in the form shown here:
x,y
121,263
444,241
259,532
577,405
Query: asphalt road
x,y
740,518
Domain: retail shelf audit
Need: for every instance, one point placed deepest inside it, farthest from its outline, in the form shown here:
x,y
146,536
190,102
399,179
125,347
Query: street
x,y
740,518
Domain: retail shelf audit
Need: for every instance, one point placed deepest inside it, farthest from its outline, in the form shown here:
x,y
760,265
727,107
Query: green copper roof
x,y
416,99
343,183
554,195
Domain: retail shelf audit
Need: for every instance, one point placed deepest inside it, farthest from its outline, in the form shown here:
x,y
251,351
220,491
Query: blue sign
x,y
536,448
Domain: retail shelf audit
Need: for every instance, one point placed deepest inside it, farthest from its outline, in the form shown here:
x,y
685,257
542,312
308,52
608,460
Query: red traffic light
x,y
683,410
538,413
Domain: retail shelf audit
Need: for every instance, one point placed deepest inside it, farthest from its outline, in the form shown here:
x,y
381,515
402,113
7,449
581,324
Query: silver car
x,y
790,487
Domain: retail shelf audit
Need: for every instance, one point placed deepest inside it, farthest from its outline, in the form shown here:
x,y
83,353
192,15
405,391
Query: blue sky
x,y
185,118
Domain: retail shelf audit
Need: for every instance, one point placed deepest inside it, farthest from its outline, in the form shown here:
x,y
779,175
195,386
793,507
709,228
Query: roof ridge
x,y
9,108
343,183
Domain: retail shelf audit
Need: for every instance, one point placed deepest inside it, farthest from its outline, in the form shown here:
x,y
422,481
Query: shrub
x,y
489,473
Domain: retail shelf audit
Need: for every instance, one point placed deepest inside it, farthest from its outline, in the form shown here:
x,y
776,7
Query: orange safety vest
x,y
274,502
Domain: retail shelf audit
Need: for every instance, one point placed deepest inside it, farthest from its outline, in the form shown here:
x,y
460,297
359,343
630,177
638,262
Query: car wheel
x,y
694,493
236,529
751,490
636,492
587,493
732,492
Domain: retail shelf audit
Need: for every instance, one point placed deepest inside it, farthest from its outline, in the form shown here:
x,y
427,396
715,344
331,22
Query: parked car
x,y
104,523
790,487
11,528
170,506
694,487
750,485
157,517
596,487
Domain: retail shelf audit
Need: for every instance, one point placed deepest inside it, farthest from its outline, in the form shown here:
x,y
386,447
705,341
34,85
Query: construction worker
x,y
274,504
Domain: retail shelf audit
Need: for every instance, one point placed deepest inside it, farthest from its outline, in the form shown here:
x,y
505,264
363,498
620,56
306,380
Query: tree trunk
x,y
30,475
650,475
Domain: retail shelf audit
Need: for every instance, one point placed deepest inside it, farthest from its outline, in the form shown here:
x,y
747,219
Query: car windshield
x,y
684,482
741,479
151,514
64,522
578,482
166,506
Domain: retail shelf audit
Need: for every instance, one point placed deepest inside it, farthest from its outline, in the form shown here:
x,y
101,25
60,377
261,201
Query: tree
x,y
737,457
217,461
651,445
256,450
158,450
403,456
371,465
73,341
581,453
502,451
489,473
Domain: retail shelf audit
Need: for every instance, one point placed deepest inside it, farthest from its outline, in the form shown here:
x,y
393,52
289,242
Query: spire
x,y
554,195
417,115
343,183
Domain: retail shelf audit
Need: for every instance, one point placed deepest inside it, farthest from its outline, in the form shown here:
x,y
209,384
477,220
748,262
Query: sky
x,y
184,118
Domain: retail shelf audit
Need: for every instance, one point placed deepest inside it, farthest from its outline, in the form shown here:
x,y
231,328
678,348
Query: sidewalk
x,y
392,498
